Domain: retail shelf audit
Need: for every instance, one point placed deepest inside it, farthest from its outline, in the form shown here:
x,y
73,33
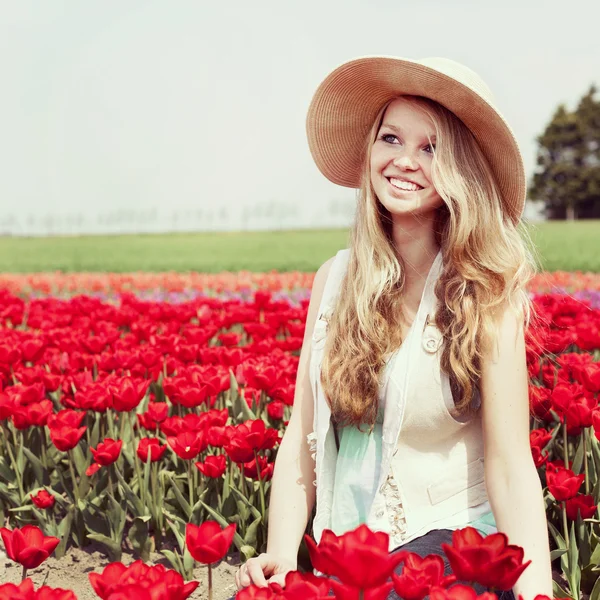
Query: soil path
x,y
71,572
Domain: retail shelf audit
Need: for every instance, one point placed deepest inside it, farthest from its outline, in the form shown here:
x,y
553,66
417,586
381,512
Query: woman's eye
x,y
429,148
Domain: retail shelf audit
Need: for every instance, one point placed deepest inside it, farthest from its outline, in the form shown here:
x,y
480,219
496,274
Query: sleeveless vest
x,y
429,471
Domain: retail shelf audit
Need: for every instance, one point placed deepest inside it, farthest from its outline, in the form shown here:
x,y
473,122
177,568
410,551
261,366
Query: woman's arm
x,y
292,490
513,484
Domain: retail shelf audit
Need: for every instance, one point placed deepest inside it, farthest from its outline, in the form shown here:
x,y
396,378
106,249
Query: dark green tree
x,y
588,115
568,162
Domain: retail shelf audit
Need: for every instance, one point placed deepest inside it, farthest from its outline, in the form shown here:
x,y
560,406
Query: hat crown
x,y
460,73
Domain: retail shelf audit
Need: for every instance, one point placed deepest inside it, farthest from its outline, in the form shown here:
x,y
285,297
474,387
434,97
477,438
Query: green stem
x,y
13,462
210,594
23,574
585,462
43,445
73,479
190,483
260,486
565,444
136,460
563,506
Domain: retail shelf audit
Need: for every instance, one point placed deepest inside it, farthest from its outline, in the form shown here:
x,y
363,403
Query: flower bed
x,y
124,422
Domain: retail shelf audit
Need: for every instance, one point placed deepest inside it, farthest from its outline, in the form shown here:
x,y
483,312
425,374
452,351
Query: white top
x,y
429,477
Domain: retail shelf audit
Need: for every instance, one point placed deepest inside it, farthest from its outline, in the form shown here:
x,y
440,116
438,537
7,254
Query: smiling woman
x,y
405,397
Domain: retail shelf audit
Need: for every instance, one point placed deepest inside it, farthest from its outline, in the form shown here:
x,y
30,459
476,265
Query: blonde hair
x,y
487,264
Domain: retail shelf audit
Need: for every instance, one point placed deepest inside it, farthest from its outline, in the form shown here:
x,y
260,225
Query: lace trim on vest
x,y
395,510
311,438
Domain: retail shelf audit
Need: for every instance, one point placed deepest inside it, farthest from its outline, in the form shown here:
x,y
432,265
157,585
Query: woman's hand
x,y
256,571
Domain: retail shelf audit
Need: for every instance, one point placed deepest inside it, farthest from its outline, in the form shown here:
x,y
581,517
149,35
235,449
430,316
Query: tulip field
x,y
142,414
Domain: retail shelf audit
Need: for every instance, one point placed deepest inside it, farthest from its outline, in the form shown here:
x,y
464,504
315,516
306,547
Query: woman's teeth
x,y
405,185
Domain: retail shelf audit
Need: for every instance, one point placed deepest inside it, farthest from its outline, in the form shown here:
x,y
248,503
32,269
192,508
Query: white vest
x,y
436,460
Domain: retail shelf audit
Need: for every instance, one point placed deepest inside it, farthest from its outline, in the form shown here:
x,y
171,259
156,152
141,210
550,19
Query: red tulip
x,y
266,469
208,543
344,591
48,593
107,452
65,437
213,466
28,546
563,483
596,423
590,377
248,437
165,584
66,417
275,410
583,504
187,444
539,437
359,558
23,591
92,469
490,561
272,592
127,394
419,575
43,499
459,592
540,403
152,446
301,586
7,406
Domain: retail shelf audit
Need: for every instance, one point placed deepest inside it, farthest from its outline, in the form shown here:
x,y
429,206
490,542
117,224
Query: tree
x,y
567,177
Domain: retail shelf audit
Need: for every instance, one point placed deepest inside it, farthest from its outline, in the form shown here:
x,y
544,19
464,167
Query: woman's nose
x,y
406,160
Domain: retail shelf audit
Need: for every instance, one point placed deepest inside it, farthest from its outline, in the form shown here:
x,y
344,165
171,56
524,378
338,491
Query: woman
x,y
412,382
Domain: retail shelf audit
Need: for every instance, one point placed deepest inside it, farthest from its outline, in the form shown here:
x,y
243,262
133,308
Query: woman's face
x,y
401,157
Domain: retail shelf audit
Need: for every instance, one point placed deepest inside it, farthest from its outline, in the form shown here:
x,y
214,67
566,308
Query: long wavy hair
x,y
487,262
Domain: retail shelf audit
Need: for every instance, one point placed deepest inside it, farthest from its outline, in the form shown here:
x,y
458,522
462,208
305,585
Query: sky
x,y
144,116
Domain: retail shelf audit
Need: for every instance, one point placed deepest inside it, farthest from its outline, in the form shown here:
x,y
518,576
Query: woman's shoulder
x,y
340,258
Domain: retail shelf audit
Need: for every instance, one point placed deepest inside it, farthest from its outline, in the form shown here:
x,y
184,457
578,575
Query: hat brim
x,y
345,104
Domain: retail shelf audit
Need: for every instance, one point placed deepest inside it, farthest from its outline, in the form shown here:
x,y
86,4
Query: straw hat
x,y
346,102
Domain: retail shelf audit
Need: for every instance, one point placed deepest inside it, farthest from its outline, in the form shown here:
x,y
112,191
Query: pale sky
x,y
190,115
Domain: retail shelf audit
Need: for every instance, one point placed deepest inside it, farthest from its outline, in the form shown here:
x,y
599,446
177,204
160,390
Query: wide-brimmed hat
x,y
346,103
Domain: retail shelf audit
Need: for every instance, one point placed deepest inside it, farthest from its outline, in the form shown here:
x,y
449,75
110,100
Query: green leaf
x,y
559,591
132,498
178,528
595,558
117,516
237,538
251,533
139,538
253,510
36,465
574,568
175,560
80,460
146,494
113,548
557,553
5,471
241,410
185,505
595,594
64,531
578,460
95,520
558,538
247,551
